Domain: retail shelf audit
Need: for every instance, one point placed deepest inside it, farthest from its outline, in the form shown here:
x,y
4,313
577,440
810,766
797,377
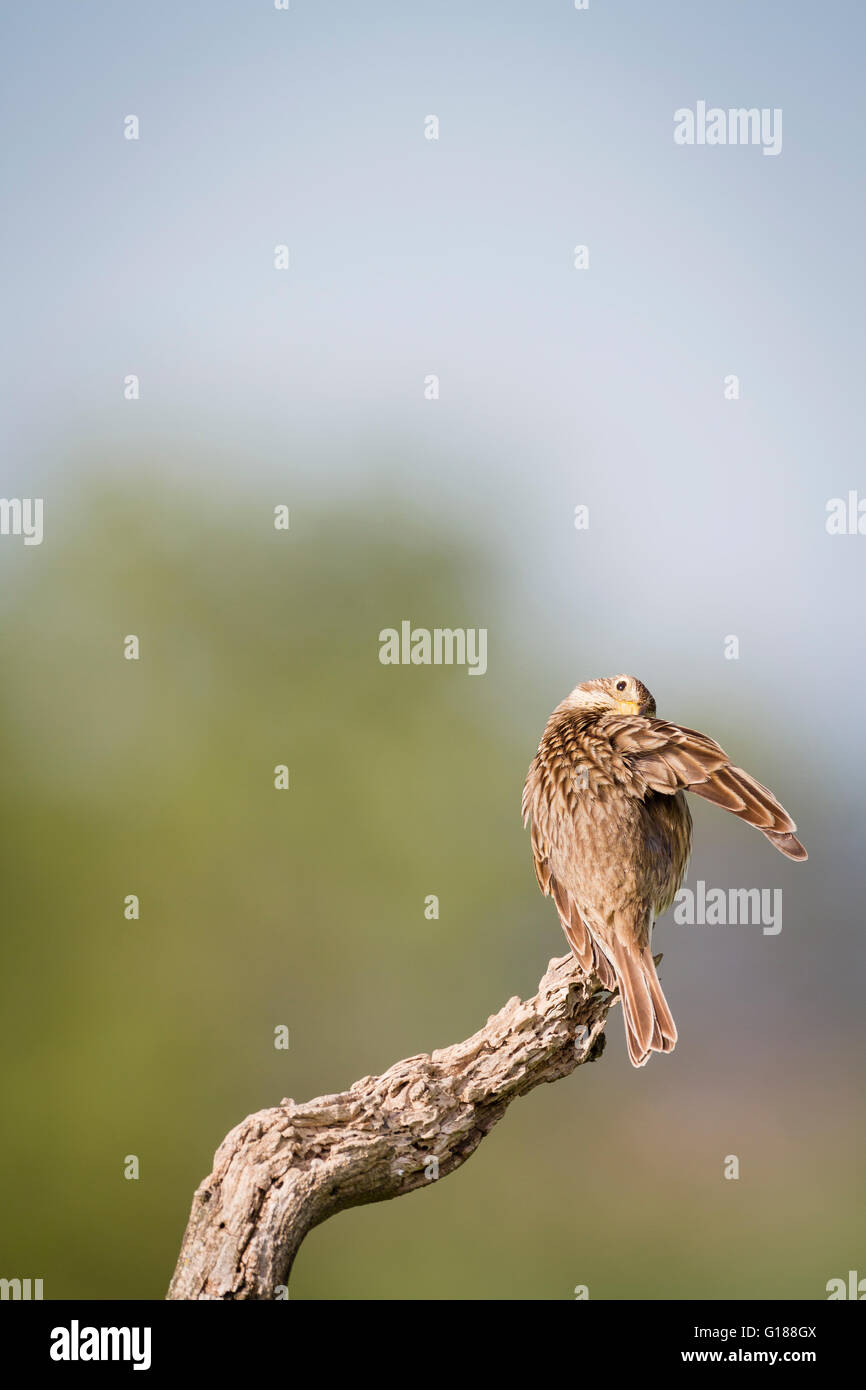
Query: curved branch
x,y
283,1171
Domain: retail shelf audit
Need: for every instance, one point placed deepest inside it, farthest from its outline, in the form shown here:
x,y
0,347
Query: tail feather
x,y
649,1026
636,1002
664,1018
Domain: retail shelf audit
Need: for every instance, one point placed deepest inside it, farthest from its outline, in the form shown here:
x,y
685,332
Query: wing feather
x,y
586,950
667,758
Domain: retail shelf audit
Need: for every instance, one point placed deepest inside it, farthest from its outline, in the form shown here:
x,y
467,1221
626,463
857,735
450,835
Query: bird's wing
x,y
666,758
586,950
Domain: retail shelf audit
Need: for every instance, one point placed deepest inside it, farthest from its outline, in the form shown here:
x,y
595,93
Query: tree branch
x,y
283,1171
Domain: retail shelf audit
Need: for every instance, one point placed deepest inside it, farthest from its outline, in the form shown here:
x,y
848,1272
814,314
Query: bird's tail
x,y
649,1026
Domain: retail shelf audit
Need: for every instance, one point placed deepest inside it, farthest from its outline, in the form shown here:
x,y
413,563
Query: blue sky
x,y
454,257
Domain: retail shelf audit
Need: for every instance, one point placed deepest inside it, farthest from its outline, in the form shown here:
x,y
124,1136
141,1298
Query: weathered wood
x,y
283,1171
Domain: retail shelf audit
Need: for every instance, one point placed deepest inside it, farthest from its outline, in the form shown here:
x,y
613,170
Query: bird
x,y
611,834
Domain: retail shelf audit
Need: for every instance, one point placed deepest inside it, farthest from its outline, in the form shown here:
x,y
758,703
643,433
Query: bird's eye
x,y
620,685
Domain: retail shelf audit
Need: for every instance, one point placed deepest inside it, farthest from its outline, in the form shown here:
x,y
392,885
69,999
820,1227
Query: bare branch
x,y
283,1171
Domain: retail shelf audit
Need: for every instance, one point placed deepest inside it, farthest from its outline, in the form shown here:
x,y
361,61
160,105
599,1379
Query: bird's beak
x,y
628,706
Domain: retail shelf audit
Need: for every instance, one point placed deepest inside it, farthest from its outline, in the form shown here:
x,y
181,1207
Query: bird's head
x,y
613,695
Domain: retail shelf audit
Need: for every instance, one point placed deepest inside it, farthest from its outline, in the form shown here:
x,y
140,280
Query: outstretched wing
x,y
666,758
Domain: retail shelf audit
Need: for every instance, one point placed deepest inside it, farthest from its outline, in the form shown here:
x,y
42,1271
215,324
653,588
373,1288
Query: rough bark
x,y
283,1171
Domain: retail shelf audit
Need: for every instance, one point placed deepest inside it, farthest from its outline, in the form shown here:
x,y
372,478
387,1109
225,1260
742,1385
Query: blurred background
x,y
558,388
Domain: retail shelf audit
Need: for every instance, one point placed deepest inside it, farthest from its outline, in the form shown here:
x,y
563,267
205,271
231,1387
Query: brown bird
x,y
612,834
